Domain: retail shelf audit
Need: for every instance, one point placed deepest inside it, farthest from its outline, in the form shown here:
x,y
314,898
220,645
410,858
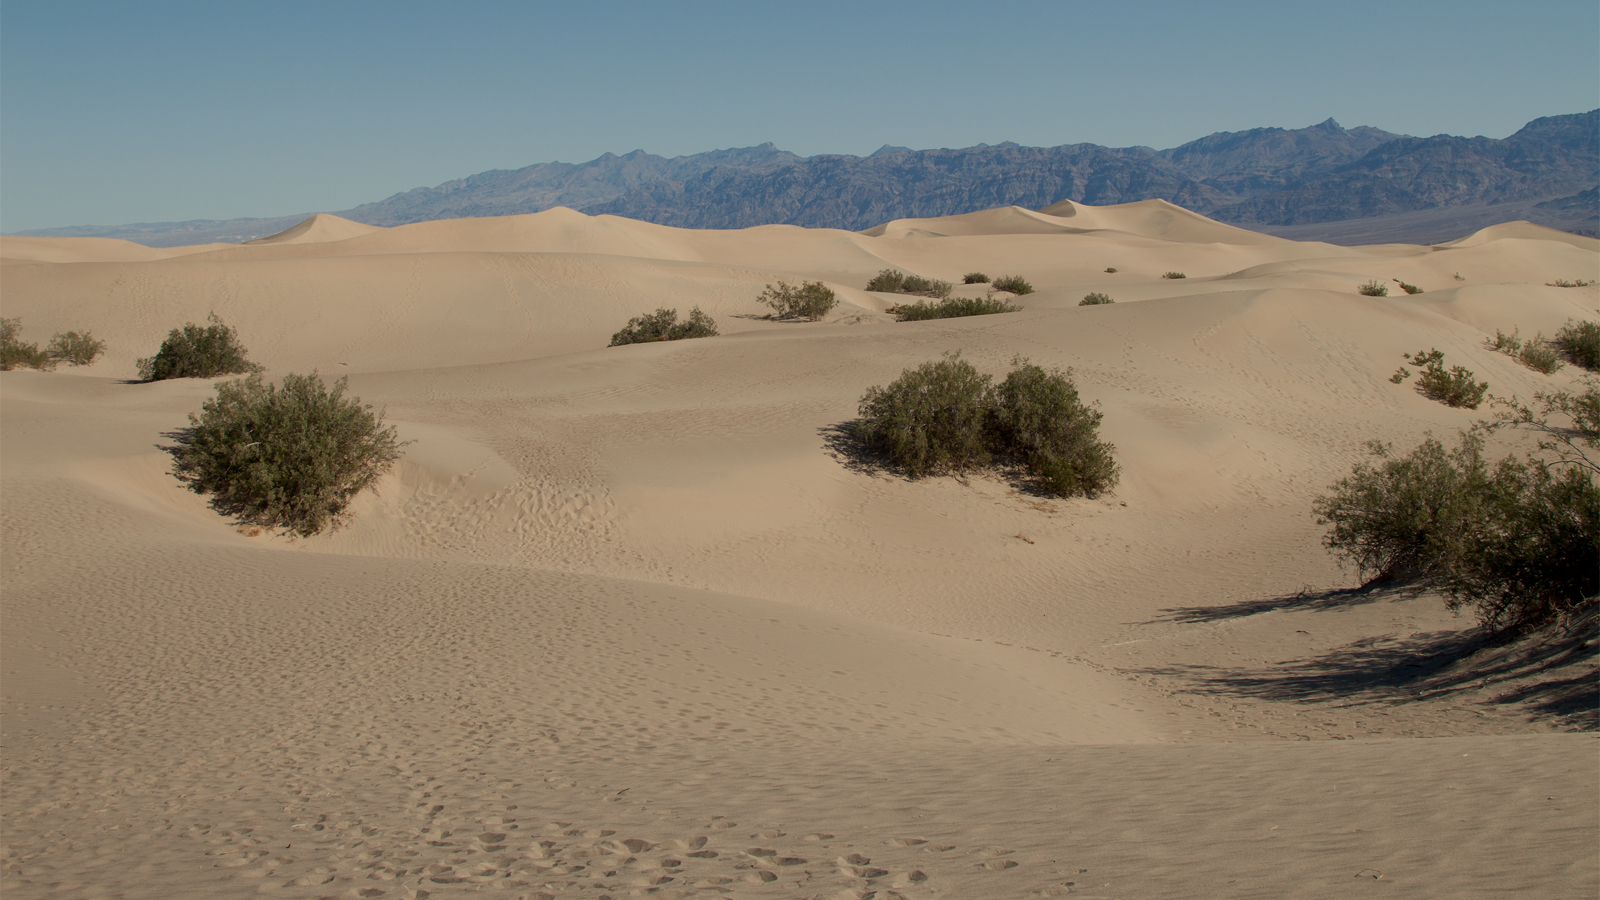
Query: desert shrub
x,y
950,308
1539,355
930,420
1452,388
1174,275
75,349
1095,299
291,457
893,281
1508,344
1562,282
1014,284
974,278
888,281
1111,270
14,353
1408,288
1373,289
1580,343
1039,420
195,352
663,325
811,300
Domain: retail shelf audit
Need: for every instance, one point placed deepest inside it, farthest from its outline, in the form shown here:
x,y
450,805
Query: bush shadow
x,y
1306,599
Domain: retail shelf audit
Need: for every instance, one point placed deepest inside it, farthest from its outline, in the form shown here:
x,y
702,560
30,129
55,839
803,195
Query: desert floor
x,y
640,622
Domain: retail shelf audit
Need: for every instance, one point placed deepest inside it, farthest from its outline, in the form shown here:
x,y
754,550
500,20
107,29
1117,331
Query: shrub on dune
x,y
1040,421
1174,275
811,300
663,325
975,278
14,352
893,281
195,352
1580,343
1454,387
1373,289
75,349
1014,284
291,457
1095,299
950,308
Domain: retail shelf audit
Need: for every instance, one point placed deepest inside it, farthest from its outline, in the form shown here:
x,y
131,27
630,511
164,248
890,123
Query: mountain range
x,y
1320,182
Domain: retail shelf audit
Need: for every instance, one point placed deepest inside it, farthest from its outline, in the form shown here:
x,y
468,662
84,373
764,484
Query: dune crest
x,y
320,228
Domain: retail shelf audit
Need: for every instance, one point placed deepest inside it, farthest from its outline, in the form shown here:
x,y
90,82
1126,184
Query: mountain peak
x,y
1329,125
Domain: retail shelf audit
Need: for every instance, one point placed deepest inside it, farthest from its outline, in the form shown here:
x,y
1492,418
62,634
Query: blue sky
x,y
113,113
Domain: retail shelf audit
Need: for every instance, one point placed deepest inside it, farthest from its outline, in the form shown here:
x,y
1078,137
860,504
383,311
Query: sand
x,y
636,622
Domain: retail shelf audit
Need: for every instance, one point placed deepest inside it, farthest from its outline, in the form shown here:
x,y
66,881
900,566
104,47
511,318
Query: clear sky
x,y
120,112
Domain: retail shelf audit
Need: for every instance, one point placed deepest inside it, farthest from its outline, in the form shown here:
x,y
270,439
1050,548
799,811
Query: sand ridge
x,y
637,621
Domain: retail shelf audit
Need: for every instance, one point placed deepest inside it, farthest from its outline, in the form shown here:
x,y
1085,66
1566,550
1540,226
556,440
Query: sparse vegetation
x,y
1459,277
1174,275
1408,288
1579,342
75,349
1562,282
950,308
893,281
1536,353
1014,284
1095,299
291,457
1373,289
1111,270
195,352
974,278
14,353
663,325
946,416
1452,388
811,300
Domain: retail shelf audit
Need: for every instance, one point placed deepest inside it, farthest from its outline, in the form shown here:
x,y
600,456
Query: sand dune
x,y
635,622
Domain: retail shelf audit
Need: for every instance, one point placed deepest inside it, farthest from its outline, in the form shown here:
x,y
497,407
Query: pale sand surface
x,y
638,622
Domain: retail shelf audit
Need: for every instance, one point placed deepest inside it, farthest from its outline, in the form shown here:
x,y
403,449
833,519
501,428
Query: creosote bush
x,y
1562,282
1452,388
946,416
974,278
950,308
1373,289
291,457
1095,299
893,281
663,325
195,352
75,349
811,300
1014,284
1408,288
1174,275
1536,353
1579,342
1111,270
15,353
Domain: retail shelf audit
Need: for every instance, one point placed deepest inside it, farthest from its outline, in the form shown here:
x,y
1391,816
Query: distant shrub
x,y
195,352
1408,288
1459,277
893,281
950,308
930,420
1095,299
974,278
663,325
1452,388
1039,420
1580,343
1174,275
1014,284
1111,270
947,417
291,457
811,300
15,353
1508,344
1562,282
75,349
1373,289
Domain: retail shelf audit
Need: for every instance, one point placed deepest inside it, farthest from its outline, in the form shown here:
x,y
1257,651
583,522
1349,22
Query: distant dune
x,y
635,622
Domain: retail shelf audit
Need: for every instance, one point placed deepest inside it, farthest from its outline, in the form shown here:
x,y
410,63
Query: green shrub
x,y
1453,388
75,349
1039,420
291,457
663,325
195,352
1519,543
1111,270
1014,284
975,278
930,420
893,281
1580,343
1373,289
950,308
1408,288
1174,275
1095,299
811,300
1508,344
14,353
1539,355
1562,282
